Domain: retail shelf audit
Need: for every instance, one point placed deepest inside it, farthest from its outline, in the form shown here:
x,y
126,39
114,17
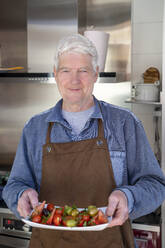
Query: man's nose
x,y
75,77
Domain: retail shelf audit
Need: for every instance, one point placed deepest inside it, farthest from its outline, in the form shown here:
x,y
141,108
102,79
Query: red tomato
x,y
102,219
86,217
50,207
59,211
36,219
57,219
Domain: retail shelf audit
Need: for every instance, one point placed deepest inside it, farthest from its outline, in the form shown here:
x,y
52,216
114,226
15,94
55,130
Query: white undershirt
x,y
77,120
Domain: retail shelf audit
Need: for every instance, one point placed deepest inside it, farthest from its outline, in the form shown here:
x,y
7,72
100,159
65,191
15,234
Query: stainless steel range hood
x,y
30,30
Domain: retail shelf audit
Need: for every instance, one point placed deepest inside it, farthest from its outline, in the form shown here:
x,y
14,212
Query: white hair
x,y
78,44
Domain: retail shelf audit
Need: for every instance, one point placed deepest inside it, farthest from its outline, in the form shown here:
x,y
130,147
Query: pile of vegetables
x,y
68,216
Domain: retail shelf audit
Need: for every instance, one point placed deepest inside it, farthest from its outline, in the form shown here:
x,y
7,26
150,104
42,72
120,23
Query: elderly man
x,y
84,152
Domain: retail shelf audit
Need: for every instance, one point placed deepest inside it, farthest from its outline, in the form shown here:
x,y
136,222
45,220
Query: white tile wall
x,y
147,38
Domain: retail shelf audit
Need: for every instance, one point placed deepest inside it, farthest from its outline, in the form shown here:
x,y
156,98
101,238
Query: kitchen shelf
x,y
130,100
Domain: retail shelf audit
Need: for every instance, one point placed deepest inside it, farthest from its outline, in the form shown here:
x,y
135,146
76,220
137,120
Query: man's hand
x,y
117,208
27,201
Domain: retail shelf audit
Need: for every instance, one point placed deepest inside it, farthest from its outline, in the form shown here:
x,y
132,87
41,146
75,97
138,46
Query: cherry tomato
x,y
92,210
86,217
64,219
50,207
102,219
71,223
68,210
36,219
59,211
75,212
57,219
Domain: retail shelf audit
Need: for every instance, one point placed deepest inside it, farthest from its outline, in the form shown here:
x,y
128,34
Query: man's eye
x,y
83,70
64,70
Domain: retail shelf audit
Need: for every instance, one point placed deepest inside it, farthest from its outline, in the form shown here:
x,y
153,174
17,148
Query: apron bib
x,y
79,173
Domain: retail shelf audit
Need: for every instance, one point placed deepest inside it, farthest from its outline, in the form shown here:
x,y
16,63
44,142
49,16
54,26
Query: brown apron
x,y
79,173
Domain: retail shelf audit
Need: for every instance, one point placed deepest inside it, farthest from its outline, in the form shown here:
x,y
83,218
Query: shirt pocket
x,y
118,160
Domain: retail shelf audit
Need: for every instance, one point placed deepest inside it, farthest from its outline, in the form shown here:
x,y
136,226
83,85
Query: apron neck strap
x,y
50,125
100,129
100,125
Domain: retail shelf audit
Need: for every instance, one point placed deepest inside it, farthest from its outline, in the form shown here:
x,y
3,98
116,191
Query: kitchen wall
x,y
147,27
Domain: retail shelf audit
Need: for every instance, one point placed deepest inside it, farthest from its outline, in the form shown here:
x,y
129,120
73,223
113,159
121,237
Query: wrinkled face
x,y
75,78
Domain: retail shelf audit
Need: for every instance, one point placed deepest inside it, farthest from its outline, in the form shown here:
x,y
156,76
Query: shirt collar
x,y
56,114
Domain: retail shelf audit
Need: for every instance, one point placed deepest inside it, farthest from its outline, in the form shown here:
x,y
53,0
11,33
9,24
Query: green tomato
x,y
71,223
68,210
92,210
74,212
91,206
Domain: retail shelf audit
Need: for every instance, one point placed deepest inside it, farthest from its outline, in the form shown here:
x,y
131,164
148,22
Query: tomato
x,y
59,211
36,219
68,210
50,207
57,219
102,219
92,210
64,219
71,223
75,212
86,217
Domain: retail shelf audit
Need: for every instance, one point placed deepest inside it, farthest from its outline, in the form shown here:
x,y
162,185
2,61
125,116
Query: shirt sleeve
x,y
130,198
21,176
146,179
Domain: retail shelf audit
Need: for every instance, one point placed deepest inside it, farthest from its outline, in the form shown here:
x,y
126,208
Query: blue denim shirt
x,y
136,170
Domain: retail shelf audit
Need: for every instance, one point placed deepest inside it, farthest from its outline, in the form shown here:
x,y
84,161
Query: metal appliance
x,y
13,232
